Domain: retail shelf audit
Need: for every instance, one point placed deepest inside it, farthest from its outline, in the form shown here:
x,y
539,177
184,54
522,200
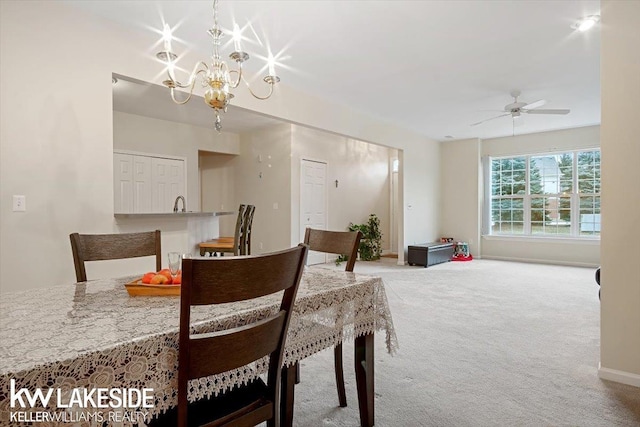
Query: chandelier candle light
x,y
217,77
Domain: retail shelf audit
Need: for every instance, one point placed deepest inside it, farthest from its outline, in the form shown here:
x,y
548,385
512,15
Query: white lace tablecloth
x,y
94,335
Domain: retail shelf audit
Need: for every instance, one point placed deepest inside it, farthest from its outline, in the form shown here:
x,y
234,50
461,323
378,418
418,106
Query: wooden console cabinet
x,y
430,253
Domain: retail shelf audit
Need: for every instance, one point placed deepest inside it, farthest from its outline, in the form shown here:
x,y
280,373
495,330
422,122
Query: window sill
x,y
545,239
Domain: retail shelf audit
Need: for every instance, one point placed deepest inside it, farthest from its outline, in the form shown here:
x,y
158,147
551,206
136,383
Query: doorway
x,y
394,202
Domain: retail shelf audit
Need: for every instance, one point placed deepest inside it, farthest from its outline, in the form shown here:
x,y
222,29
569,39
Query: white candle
x,y
166,36
272,65
237,36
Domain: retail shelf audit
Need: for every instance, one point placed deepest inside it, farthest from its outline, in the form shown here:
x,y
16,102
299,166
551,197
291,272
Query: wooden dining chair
x,y
342,243
233,244
251,209
218,281
100,247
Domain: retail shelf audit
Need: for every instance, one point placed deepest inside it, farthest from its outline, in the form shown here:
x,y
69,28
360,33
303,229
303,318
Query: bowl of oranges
x,y
156,283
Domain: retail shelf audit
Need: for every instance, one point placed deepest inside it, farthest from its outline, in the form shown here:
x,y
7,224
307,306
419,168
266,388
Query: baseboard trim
x,y
618,376
542,261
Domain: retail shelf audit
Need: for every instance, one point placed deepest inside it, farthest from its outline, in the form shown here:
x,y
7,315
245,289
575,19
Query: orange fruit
x,y
159,279
166,273
147,277
177,280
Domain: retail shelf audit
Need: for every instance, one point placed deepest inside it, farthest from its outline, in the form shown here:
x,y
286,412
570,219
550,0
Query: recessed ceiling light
x,y
586,23
448,136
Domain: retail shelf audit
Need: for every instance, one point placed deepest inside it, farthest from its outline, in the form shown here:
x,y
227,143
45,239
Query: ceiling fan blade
x,y
536,104
557,111
492,118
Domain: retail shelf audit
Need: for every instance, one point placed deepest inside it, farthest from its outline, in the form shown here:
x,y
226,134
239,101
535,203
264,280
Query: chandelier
x,y
216,76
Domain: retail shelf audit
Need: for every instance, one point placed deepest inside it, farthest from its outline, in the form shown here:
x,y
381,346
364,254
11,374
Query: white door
x,y
132,183
167,183
123,183
141,184
146,184
313,202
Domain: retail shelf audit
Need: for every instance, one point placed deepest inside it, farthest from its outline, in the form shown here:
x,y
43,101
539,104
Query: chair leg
x,y
342,395
287,392
365,378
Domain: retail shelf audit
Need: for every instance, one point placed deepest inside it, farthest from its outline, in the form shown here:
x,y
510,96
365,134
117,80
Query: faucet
x,y
184,205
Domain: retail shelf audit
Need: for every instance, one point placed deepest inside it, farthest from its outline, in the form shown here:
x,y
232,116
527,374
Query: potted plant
x,y
370,248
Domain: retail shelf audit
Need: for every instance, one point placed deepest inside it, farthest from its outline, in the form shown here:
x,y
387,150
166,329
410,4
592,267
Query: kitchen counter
x,y
169,215
181,231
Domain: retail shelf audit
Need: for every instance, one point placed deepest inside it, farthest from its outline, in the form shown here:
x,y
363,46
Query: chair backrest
x,y
238,236
100,247
335,242
223,280
248,222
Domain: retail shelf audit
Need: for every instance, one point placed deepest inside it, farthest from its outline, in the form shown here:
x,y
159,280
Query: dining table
x,y
93,335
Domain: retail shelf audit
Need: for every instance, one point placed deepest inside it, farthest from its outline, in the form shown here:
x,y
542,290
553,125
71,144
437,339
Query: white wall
x,y
265,183
620,305
154,136
56,137
562,251
461,192
543,142
267,174
362,171
218,188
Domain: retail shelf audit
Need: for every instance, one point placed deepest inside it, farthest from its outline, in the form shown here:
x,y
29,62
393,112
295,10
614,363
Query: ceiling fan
x,y
515,109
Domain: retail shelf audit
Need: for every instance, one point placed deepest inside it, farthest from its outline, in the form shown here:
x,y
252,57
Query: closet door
x,y
122,183
167,183
141,184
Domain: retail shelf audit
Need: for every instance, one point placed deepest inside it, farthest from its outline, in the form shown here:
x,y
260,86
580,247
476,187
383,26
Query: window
x,y
395,165
546,195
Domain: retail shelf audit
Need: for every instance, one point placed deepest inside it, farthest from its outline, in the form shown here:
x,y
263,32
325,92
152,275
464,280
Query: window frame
x,y
574,198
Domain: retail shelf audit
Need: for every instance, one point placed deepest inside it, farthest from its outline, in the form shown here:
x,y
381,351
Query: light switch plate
x,y
19,203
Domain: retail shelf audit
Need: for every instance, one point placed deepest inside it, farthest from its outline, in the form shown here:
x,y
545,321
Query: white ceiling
x,y
431,66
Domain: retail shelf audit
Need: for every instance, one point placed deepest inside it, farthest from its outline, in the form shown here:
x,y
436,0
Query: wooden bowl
x,y
139,289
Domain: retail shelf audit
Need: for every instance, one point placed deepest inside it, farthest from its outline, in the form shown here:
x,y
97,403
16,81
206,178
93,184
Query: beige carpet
x,y
482,343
